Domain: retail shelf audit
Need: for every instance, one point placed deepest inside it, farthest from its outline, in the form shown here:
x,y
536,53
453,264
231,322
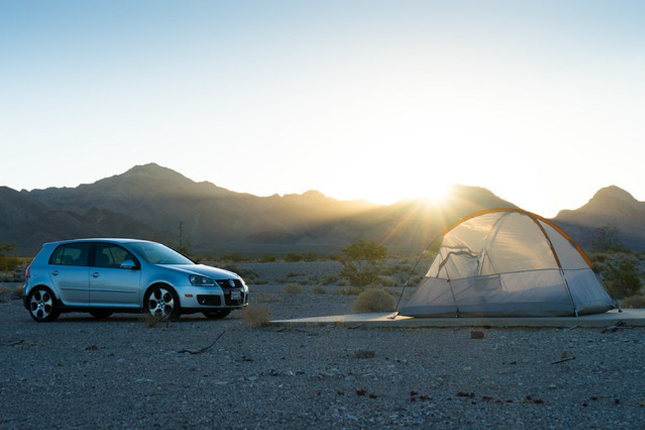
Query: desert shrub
x,y
606,238
268,298
329,279
267,258
374,300
293,288
292,257
8,262
256,316
154,321
4,290
343,283
293,274
318,289
310,256
361,261
634,302
388,281
405,268
349,291
598,257
236,257
242,271
622,280
388,270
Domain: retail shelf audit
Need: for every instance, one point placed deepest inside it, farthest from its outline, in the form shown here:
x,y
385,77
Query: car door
x,y
110,284
69,272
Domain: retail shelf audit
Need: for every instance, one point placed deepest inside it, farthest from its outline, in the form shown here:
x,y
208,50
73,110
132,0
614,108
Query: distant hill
x,y
151,201
611,205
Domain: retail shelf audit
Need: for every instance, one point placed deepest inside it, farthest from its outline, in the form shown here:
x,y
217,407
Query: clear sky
x,y
542,102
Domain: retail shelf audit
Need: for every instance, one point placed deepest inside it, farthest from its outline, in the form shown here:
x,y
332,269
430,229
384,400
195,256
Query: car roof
x,y
99,239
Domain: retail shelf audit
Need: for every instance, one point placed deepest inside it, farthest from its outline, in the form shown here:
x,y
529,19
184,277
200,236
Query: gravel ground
x,y
119,373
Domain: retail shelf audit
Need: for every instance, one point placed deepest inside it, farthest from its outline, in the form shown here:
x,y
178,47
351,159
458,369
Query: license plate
x,y
236,295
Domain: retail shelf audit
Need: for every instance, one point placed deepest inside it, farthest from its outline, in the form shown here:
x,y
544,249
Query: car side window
x,y
71,254
111,255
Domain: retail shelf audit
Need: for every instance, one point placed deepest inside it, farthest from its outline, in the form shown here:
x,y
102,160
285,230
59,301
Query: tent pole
x,y
557,260
407,281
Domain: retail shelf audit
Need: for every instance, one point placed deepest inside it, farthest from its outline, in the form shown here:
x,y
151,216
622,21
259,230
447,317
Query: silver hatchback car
x,y
102,276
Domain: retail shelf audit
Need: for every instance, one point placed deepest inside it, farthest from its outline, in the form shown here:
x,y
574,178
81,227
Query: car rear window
x,y
71,254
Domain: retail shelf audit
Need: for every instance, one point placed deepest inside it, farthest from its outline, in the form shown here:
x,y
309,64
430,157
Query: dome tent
x,y
508,262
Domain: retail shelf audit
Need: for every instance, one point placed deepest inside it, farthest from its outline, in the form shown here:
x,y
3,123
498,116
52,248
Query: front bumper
x,y
208,298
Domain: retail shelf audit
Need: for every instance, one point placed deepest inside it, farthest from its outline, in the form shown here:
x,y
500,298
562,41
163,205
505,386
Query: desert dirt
x,y
194,373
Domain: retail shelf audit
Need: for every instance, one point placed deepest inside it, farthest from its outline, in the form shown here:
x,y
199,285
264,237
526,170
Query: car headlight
x,y
201,281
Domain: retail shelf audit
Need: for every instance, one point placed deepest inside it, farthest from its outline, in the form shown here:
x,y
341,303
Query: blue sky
x,y
541,102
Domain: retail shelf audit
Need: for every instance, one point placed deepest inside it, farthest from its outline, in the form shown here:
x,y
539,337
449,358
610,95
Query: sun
x,y
436,193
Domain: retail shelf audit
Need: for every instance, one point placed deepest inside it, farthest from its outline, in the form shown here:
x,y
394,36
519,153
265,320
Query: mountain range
x,y
157,203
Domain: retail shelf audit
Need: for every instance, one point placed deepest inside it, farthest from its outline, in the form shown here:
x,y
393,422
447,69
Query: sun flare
x,y
436,193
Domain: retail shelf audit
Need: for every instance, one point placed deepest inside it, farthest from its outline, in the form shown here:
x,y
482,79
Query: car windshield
x,y
157,253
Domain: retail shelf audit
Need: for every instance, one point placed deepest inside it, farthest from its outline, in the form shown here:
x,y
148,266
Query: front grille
x,y
225,283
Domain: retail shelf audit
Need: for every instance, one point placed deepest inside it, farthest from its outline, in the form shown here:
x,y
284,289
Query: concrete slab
x,y
628,317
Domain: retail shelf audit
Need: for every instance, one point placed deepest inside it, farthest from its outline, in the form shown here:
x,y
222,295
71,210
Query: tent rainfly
x,y
508,263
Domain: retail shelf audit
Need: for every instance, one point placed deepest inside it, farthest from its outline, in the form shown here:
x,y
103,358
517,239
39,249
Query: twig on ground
x,y
292,329
199,351
618,325
563,360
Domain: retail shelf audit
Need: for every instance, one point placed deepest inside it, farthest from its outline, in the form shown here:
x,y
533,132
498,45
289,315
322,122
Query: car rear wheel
x,y
217,314
100,314
162,302
42,305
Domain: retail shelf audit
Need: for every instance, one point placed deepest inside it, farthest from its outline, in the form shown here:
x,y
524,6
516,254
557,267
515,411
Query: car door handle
x,y
96,275
55,273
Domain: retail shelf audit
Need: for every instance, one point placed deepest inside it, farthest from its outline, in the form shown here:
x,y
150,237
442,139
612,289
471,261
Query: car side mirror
x,y
128,264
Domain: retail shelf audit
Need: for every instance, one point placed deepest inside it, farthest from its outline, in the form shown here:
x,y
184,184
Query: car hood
x,y
202,269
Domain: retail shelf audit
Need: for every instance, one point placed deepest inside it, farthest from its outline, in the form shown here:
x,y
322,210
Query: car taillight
x,y
27,271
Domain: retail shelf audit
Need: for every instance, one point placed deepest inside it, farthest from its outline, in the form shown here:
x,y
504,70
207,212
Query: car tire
x,y
217,314
100,314
161,301
42,305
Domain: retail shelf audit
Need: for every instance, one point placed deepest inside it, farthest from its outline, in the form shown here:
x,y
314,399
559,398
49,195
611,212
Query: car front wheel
x,y
217,314
162,302
42,305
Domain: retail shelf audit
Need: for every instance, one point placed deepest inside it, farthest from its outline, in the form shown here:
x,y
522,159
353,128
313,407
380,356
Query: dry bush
x,y
374,300
349,291
256,316
153,321
268,298
318,289
388,270
388,281
4,290
293,289
634,302
329,279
